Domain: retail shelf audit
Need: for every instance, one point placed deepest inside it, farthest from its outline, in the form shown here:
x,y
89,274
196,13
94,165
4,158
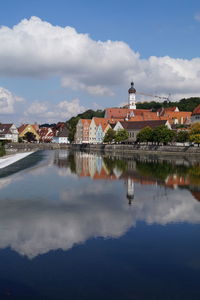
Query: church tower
x,y
131,97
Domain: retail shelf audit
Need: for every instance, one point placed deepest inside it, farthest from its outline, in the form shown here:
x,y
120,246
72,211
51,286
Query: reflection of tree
x,y
112,163
194,174
72,162
159,170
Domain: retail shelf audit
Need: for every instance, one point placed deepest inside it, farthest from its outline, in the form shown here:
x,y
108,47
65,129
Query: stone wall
x,y
128,149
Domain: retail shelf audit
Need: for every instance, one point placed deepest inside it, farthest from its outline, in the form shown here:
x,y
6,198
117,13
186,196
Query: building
x,y
62,136
46,134
23,129
196,115
82,131
9,132
133,128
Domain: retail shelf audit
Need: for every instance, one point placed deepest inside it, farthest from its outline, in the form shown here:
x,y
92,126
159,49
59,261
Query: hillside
x,y
188,104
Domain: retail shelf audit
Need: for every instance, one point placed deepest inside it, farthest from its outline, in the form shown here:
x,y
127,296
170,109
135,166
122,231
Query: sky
x,y
59,58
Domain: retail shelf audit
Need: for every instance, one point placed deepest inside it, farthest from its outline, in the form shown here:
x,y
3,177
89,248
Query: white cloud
x,y
7,101
197,17
43,112
36,48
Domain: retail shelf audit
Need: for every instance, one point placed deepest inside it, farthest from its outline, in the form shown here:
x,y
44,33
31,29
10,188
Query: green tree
x,y
145,135
162,134
194,134
109,136
2,149
182,136
121,135
29,136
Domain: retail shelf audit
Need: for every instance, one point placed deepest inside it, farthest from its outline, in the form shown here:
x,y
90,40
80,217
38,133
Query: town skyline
x,y
56,65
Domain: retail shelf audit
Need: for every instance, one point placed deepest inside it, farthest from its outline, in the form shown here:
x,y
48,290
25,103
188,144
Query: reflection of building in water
x,y
176,180
60,158
130,190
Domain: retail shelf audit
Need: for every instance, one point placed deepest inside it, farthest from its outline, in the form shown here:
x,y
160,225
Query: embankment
x,y
139,149
114,149
26,147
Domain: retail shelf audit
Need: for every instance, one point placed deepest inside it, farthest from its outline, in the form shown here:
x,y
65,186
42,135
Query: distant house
x,y
133,128
62,136
174,116
46,134
8,132
23,129
82,131
196,115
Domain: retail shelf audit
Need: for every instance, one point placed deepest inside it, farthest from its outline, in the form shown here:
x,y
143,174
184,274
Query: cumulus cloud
x,y
7,101
52,113
36,48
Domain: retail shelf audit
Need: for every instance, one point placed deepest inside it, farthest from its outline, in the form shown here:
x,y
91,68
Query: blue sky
x,y
168,31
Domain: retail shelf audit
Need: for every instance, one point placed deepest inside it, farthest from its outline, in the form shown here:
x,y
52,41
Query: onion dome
x,y
132,89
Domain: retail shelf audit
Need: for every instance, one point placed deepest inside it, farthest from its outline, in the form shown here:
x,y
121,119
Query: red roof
x,y
196,111
122,113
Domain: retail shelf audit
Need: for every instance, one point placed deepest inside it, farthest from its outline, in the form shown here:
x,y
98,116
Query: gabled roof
x,y
141,124
5,128
196,111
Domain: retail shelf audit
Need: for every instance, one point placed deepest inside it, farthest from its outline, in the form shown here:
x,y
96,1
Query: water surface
x,y
85,226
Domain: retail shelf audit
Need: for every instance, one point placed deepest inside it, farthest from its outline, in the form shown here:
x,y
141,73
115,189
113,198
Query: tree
x,y
109,136
29,137
145,135
182,136
121,135
162,134
194,134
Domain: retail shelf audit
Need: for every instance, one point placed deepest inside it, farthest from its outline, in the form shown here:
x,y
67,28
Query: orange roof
x,y
171,115
86,121
196,111
121,113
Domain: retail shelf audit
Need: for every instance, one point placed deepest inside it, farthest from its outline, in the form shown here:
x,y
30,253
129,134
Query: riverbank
x,y
114,149
138,149
7,160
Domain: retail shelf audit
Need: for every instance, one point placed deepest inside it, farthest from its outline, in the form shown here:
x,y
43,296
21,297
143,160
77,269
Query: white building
x,y
9,132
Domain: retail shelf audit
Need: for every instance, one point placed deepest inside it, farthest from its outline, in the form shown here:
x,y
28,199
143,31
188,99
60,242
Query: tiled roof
x,y
196,111
122,113
86,121
141,124
5,128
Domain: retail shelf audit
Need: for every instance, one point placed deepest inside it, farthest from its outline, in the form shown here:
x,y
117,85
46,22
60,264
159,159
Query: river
x,y
76,225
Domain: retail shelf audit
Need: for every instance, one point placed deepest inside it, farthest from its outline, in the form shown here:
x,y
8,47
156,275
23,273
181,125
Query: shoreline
x,y
8,160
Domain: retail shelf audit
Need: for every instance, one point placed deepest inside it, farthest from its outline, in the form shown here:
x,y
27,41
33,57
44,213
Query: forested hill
x,y
88,114
188,104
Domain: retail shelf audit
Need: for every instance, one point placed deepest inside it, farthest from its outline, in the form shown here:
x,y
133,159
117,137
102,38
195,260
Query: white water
x,y
11,159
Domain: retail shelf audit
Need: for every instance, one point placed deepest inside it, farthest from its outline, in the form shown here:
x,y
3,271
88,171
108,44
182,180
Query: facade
x,y
196,115
62,136
97,130
23,129
82,131
9,132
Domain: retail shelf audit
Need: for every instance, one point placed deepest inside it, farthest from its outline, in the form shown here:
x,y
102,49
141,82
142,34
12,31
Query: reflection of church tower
x,y
130,190
131,97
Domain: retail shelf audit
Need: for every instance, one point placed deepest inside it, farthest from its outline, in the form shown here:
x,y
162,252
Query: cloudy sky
x,y
59,58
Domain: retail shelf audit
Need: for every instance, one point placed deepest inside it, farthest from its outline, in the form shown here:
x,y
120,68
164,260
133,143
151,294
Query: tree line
x,y
159,135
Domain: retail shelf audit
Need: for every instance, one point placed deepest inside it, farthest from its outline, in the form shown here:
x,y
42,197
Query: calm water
x,y
83,226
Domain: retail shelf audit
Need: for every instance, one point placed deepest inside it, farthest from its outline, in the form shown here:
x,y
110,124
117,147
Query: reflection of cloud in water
x,y
36,227
84,209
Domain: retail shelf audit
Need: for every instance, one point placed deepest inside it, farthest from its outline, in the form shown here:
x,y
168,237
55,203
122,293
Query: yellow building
x,y
23,129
